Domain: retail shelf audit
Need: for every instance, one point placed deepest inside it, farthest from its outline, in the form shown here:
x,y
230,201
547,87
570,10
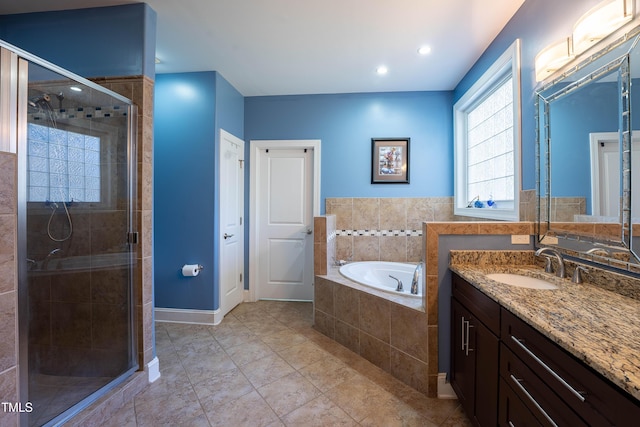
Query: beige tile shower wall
x,y
8,286
384,229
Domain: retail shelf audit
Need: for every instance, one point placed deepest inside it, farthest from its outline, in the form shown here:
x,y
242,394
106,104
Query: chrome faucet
x,y
606,251
399,287
548,268
45,262
416,278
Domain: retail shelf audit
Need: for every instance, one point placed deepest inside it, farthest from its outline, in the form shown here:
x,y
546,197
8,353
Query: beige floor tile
x,y
222,388
457,419
320,412
123,417
360,398
170,408
266,370
265,326
283,339
303,354
249,410
265,366
327,373
249,351
200,367
230,337
288,393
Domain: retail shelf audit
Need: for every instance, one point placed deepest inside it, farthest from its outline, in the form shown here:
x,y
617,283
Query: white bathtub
x,y
375,274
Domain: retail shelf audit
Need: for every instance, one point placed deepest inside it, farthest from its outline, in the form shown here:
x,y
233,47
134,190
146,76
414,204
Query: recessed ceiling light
x,y
382,70
75,89
424,50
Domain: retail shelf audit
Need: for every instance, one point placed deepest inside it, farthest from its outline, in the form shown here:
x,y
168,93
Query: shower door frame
x,y
18,109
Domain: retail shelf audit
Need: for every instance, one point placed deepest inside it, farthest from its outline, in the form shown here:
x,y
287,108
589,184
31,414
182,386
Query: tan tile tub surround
x,y
384,229
427,320
388,334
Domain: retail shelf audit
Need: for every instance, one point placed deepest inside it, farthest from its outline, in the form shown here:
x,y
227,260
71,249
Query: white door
x,y
284,188
605,170
231,268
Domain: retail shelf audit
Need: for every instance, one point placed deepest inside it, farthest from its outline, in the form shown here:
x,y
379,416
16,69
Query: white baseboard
x,y
153,369
246,296
445,391
178,315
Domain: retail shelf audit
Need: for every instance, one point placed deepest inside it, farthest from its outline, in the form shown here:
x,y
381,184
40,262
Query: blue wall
x,y
346,123
94,42
538,23
190,108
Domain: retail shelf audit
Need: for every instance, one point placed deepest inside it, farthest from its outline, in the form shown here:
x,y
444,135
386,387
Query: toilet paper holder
x,y
191,270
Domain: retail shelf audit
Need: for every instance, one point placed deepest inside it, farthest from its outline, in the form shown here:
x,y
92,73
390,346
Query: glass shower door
x,y
76,197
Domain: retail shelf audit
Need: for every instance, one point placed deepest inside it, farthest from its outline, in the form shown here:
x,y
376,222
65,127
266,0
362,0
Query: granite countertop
x,y
598,326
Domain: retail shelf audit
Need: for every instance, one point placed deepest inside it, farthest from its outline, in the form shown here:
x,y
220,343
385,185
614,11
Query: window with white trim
x,y
487,142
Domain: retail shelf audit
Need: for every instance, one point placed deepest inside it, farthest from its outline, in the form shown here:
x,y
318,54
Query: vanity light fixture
x,y
382,70
601,21
553,57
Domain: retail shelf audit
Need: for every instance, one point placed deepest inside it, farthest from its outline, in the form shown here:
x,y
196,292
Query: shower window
x,y
63,165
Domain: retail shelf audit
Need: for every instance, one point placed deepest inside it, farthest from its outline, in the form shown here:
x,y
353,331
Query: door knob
x,y
309,231
226,236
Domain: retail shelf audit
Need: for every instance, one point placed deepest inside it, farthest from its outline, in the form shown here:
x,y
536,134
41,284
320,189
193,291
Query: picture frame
x,y
390,160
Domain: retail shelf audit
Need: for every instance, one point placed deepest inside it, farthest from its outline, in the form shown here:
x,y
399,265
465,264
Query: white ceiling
x,y
284,47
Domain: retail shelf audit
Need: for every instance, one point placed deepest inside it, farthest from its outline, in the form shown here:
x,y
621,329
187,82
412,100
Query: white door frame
x,y
594,141
225,304
254,232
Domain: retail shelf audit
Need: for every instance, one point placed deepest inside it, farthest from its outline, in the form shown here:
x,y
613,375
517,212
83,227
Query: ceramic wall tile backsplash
x,y
390,229
384,229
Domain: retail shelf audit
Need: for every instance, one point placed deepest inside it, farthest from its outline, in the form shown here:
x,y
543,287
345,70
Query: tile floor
x,y
265,365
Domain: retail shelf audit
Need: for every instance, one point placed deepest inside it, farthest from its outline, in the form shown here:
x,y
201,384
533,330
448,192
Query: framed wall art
x,y
390,160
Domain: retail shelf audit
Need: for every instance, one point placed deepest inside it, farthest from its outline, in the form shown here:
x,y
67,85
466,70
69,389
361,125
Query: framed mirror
x,y
588,149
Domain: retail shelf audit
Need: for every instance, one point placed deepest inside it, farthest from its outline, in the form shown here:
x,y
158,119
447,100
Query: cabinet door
x,y
485,347
462,366
474,374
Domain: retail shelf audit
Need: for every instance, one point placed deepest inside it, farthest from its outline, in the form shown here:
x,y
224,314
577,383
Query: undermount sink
x,y
521,281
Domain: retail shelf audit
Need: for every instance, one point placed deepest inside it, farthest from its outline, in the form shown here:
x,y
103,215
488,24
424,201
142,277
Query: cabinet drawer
x,y
514,413
484,308
540,400
592,397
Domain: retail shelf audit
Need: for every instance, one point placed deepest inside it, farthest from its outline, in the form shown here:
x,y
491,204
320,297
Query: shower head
x,y
60,97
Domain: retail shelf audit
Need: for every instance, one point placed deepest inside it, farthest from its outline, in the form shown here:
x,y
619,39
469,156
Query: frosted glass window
x,y
487,142
490,146
63,166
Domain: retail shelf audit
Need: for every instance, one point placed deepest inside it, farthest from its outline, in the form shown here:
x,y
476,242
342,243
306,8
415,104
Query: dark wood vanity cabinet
x,y
475,349
557,387
507,373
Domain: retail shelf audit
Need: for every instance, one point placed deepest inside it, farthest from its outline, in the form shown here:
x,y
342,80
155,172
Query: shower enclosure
x,y
76,240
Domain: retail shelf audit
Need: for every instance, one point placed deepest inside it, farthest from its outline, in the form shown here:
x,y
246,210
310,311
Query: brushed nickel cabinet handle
x,y
579,395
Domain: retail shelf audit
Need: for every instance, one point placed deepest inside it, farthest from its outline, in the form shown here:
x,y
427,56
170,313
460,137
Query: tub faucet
x,y
45,263
416,278
548,268
399,287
